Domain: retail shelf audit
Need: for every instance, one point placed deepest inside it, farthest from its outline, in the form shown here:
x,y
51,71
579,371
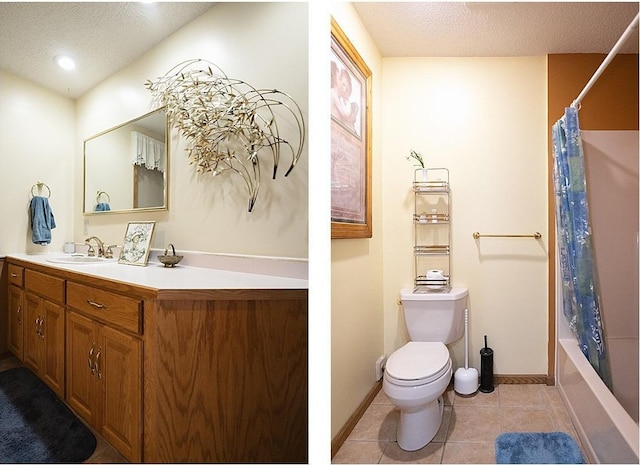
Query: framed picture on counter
x,y
137,243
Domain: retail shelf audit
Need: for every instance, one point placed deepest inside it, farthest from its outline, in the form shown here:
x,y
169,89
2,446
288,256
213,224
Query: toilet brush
x,y
486,368
465,380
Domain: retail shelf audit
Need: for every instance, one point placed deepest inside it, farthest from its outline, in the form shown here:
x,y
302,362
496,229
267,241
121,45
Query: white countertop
x,y
156,276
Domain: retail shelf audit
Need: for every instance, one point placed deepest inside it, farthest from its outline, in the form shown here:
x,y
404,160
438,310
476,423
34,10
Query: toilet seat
x,y
418,363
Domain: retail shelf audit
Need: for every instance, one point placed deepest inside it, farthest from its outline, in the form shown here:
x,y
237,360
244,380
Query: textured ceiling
x,y
467,29
105,37
102,37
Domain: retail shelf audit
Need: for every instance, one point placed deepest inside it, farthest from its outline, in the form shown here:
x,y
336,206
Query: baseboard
x,y
520,379
351,423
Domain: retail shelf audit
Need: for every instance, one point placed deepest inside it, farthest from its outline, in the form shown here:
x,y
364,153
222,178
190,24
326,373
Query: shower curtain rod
x,y
614,51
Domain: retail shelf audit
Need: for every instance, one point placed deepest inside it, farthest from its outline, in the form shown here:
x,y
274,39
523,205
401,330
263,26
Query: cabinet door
x,y
32,332
16,316
80,366
52,366
119,371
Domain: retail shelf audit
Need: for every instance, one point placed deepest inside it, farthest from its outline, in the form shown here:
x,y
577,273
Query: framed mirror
x,y
126,167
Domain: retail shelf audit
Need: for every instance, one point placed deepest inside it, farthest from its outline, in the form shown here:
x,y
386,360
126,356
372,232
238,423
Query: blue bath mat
x,y
537,448
36,426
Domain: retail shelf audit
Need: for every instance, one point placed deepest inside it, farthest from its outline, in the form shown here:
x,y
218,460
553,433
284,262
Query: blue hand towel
x,y
103,207
42,221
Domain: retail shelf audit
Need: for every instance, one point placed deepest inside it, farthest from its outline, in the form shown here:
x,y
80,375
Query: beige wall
x,y
264,44
36,143
356,266
485,120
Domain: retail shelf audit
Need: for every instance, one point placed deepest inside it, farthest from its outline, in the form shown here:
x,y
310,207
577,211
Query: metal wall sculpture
x,y
228,123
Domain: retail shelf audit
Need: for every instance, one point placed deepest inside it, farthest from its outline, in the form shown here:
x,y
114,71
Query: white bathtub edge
x,y
591,456
625,425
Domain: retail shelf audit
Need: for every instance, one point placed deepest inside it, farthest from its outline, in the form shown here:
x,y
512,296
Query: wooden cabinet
x,y
121,374
16,275
104,370
80,366
226,378
34,328
223,371
44,328
16,311
114,309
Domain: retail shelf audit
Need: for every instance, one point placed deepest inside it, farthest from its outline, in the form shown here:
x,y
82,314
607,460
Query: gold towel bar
x,y
535,235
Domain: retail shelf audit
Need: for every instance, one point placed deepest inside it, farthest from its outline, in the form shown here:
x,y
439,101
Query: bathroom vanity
x,y
169,365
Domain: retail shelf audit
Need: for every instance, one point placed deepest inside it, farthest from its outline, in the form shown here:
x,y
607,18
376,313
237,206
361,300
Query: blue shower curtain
x,y
580,293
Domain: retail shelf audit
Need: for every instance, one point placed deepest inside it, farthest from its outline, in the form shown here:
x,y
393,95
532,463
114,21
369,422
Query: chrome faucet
x,y
91,252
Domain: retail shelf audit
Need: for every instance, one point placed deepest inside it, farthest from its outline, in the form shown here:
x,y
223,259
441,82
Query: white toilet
x,y
417,374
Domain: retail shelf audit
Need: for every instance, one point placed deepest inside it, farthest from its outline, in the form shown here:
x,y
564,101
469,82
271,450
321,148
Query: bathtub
x,y
607,432
607,424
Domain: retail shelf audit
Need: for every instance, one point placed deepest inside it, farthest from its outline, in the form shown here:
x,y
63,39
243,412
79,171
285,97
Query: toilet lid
x,y
418,363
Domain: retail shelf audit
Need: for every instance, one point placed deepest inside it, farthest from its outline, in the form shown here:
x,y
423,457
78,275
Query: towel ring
x,y
40,185
99,194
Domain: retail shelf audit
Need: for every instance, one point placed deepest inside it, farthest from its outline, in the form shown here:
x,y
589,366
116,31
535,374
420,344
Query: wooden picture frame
x,y
350,140
137,243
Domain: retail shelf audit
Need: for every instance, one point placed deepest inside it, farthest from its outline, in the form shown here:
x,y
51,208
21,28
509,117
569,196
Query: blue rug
x,y
537,448
36,426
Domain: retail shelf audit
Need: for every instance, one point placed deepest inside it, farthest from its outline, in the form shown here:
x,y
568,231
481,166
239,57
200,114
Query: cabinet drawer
x,y
44,285
105,306
16,274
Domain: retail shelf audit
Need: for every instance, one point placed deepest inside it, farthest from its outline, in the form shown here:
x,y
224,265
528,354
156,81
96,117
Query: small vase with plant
x,y
419,162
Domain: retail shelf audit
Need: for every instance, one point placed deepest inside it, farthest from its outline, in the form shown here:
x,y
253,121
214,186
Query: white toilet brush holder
x,y
465,380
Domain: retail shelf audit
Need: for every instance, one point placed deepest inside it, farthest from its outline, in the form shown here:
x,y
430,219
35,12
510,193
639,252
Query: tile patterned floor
x,y
469,427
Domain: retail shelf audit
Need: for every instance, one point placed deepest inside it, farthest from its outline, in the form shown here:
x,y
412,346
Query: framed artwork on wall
x,y
350,140
137,243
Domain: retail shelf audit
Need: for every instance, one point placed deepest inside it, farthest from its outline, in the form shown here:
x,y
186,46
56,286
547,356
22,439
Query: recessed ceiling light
x,y
65,62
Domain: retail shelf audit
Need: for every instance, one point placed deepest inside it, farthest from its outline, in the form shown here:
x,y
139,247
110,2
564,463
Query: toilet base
x,y
417,429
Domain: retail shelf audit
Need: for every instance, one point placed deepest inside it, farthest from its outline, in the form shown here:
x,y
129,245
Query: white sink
x,y
80,260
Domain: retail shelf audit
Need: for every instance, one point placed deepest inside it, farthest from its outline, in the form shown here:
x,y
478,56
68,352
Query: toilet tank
x,y
435,316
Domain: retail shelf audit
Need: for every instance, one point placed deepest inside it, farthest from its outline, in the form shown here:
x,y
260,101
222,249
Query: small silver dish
x,y
169,261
